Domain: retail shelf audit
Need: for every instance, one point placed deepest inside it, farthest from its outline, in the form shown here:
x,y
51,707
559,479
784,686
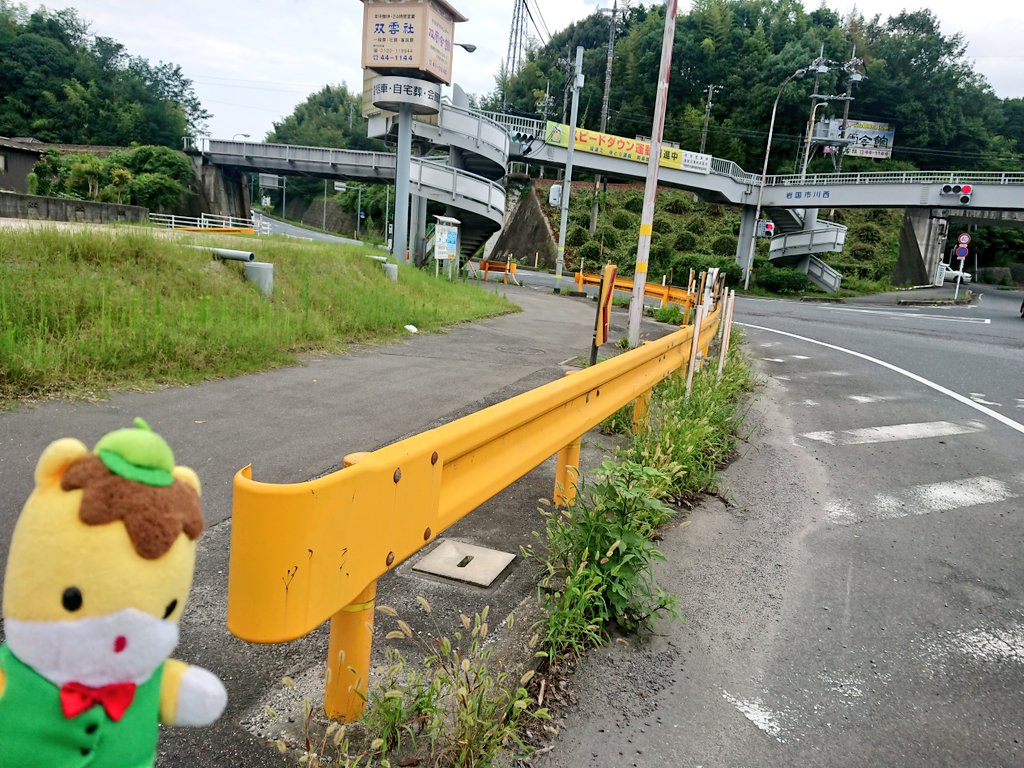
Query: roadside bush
x,y
862,251
783,280
724,245
576,236
670,314
680,204
623,219
610,236
634,203
867,233
155,191
685,241
662,225
590,250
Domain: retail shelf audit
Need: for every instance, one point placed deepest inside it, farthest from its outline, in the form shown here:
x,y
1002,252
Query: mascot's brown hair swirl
x,y
154,516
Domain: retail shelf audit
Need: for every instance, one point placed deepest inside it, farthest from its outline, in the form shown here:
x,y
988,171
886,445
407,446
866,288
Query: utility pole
x,y
820,67
604,104
707,115
853,76
544,107
643,250
577,83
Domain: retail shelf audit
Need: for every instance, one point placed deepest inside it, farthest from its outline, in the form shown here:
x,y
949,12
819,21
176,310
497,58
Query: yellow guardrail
x,y
302,553
669,294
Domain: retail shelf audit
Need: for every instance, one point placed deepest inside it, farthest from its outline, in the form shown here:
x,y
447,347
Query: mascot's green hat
x,y
137,453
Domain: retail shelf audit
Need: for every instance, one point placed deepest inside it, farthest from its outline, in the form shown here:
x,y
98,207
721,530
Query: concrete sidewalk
x,y
295,424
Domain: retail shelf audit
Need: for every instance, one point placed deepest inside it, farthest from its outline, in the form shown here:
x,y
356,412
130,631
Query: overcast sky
x,y
251,62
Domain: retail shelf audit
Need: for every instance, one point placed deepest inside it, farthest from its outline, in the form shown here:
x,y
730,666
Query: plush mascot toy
x,y
99,570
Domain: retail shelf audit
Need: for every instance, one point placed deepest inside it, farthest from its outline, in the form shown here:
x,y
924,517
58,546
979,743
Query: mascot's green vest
x,y
35,734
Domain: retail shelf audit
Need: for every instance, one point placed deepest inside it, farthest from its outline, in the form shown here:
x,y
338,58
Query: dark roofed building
x,y
17,159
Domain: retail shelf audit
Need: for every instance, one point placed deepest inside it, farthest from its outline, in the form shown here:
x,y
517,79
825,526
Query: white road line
x,y
914,315
922,500
895,432
800,357
979,397
773,359
989,645
865,399
758,714
1005,420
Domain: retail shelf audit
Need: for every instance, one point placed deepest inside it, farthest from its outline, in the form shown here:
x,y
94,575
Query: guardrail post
x,y
641,410
567,473
349,647
348,657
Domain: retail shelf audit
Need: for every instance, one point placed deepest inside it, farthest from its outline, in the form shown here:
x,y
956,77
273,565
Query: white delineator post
x,y
726,330
643,250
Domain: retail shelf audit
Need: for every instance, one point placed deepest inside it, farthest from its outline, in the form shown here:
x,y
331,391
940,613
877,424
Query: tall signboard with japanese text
x,y
557,134
867,138
409,37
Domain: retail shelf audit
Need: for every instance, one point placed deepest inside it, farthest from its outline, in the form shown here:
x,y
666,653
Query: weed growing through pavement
x,y
467,705
599,561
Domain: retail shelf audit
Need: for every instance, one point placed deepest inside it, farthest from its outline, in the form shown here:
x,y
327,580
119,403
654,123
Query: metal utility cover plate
x,y
465,562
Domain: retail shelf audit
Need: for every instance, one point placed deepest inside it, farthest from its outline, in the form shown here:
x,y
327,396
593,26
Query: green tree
x,y
59,83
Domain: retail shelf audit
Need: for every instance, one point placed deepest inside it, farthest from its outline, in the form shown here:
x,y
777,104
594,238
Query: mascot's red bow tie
x,y
75,698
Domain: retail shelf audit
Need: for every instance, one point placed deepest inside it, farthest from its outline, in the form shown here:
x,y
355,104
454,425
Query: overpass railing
x,y
895,177
475,125
523,127
437,174
306,552
294,153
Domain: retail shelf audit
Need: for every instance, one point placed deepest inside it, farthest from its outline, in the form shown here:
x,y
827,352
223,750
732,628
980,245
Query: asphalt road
x,y
859,599
278,227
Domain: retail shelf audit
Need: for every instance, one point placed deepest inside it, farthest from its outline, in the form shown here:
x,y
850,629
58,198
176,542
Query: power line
x,y
546,33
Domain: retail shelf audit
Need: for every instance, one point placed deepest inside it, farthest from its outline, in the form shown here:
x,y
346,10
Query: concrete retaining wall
x,y
17,206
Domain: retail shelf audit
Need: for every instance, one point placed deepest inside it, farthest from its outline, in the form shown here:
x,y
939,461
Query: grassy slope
x,y
92,310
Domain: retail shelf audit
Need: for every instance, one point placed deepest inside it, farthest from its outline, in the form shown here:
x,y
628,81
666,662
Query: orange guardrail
x,y
669,294
217,230
508,268
306,552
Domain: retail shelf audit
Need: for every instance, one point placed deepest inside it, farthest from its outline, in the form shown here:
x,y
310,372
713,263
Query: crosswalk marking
x,y
895,432
922,500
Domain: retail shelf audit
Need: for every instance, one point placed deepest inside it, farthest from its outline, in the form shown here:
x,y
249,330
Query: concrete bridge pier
x,y
747,225
419,229
922,240
223,191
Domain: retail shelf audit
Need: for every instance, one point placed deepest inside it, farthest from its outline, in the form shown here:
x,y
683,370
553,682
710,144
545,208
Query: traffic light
x,y
765,228
962,191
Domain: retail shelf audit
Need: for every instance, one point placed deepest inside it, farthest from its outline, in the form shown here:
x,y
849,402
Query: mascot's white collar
x,y
126,646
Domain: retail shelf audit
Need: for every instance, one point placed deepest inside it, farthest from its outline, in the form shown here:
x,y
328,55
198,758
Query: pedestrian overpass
x,y
480,146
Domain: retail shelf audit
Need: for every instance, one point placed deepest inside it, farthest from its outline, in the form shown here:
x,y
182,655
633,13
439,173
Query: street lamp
x,y
810,138
764,172
243,135
467,47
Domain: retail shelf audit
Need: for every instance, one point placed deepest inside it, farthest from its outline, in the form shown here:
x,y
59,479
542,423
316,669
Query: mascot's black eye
x,y
71,599
170,608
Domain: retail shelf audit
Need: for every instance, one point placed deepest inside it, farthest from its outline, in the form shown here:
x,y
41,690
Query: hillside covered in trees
x,y
61,84
918,79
